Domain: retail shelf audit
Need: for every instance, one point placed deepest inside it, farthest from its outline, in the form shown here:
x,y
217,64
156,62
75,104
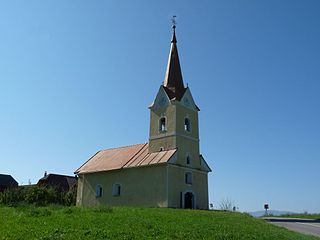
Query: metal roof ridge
x,y
142,160
174,151
134,155
155,155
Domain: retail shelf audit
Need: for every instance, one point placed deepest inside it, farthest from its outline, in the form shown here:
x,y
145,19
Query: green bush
x,y
70,197
38,196
42,196
12,196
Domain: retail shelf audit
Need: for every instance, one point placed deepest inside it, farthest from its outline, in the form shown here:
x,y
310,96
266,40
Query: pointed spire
x,y
174,39
173,81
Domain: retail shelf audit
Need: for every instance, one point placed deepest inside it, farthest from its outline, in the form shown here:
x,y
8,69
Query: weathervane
x,y
173,20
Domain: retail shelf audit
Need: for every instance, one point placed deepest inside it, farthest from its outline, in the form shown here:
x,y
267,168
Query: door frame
x,y
194,198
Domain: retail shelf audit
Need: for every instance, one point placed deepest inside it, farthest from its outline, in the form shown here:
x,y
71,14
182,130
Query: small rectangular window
x,y
188,178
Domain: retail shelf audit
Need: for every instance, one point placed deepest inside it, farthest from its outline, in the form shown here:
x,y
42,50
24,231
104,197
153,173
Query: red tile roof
x,y
124,157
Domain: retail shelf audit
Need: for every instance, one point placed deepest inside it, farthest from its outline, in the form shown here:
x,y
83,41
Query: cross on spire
x,y
174,22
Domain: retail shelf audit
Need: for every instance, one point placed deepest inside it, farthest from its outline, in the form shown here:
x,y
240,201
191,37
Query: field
x,y
57,222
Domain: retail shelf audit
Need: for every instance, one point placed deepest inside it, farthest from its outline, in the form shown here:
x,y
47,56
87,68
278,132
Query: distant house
x,y
61,182
7,181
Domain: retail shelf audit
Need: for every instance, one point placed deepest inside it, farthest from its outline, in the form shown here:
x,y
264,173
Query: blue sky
x,y
73,72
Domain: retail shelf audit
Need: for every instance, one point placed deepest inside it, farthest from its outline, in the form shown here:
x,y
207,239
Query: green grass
x,y
55,222
303,215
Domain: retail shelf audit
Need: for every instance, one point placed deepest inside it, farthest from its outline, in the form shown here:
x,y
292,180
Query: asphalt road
x,y
305,226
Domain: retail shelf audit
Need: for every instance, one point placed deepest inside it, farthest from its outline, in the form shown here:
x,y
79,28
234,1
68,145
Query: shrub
x,y
39,196
12,196
42,196
70,197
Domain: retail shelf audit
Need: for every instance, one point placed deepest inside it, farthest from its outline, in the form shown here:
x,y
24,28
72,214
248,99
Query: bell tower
x,y
174,114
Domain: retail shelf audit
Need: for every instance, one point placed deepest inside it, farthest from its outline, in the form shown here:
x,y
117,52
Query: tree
x,y
227,205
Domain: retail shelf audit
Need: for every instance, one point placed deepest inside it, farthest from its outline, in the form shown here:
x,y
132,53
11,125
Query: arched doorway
x,y
188,200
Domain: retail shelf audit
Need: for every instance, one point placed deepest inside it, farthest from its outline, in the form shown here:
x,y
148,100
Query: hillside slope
x,y
134,223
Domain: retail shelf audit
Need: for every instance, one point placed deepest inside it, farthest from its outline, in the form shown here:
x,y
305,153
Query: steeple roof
x,y
173,82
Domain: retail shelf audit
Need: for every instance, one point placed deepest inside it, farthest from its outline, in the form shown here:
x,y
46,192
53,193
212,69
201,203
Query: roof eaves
x,y
205,162
118,169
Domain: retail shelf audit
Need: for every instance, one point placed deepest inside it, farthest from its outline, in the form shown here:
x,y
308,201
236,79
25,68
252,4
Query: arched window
x,y
98,191
188,178
116,190
187,124
162,124
188,159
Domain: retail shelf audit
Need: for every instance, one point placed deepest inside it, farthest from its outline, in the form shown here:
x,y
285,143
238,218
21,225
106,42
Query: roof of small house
x,y
62,181
7,180
124,157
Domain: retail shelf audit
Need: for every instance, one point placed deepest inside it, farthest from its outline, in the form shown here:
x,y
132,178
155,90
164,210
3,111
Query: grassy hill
x,y
55,222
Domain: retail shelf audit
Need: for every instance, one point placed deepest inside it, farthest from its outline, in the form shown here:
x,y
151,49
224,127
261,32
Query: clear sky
x,y
78,76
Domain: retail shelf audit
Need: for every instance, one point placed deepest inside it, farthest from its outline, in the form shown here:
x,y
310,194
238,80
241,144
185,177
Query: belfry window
x,y
187,124
162,124
188,159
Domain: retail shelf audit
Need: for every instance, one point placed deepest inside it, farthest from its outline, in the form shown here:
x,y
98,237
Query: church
x,y
168,170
